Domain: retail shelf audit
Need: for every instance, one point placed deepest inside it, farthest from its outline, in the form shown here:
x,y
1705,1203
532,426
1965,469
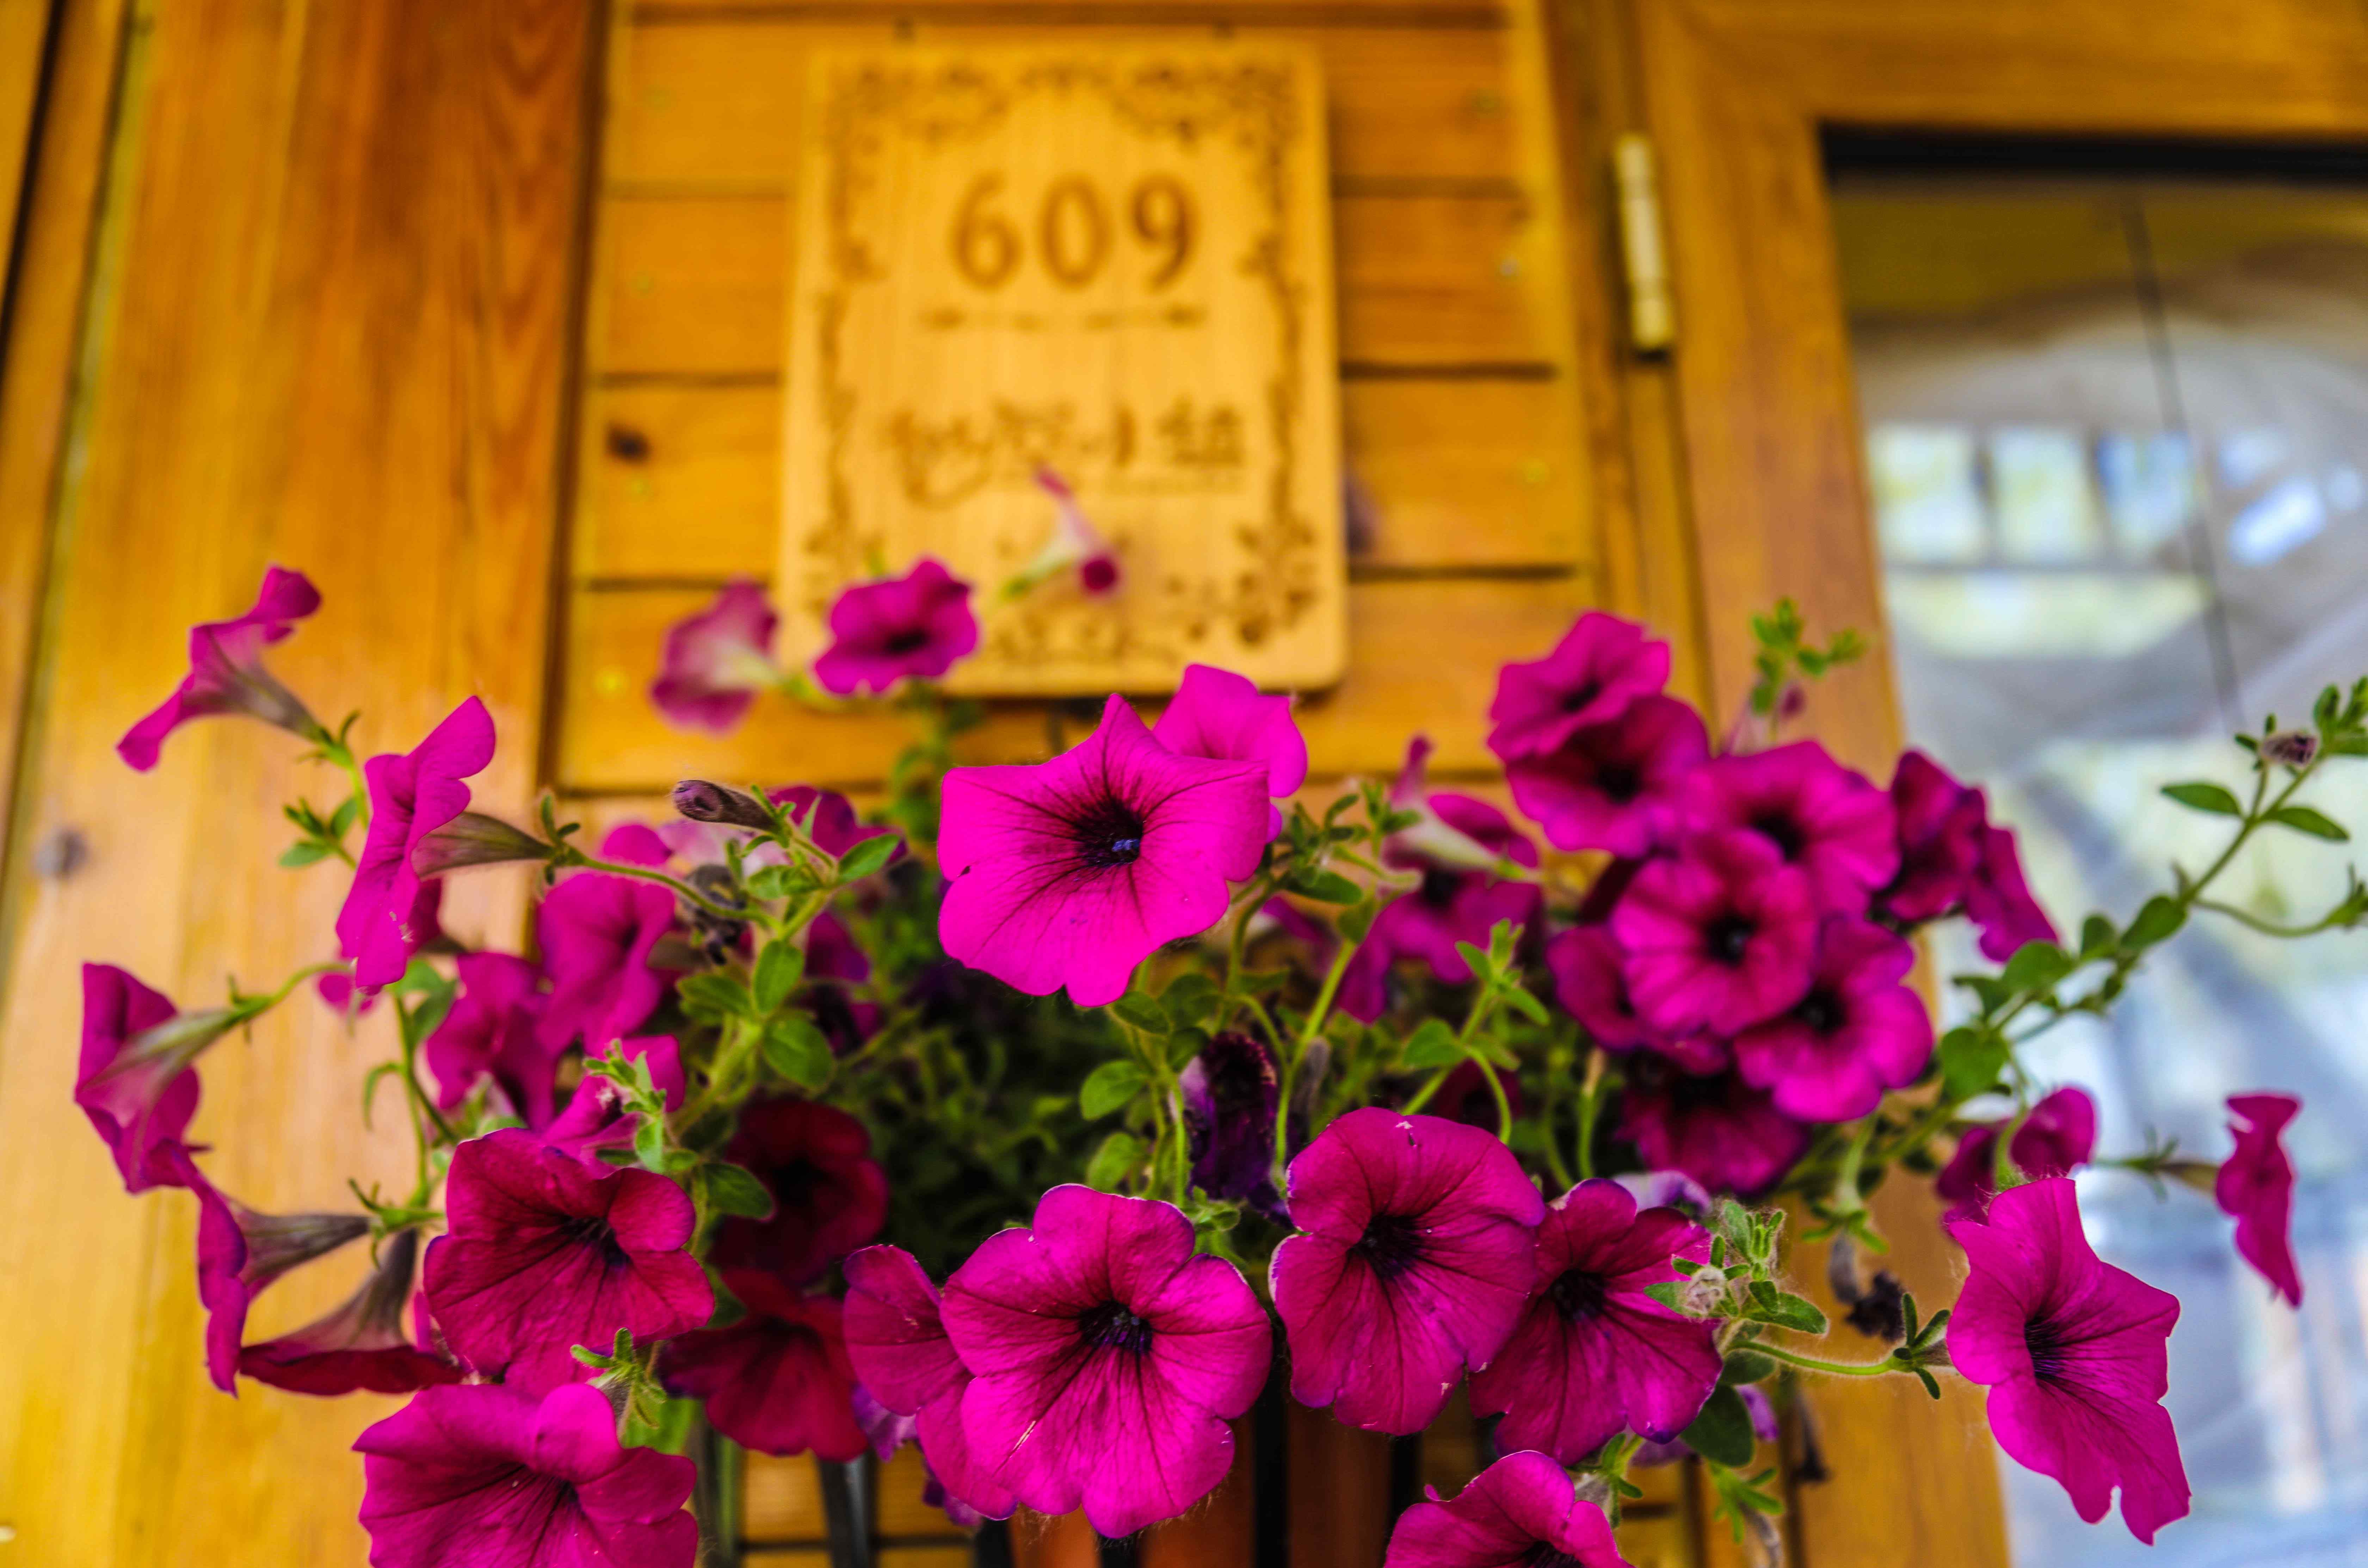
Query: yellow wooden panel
x,y
897,1509
782,1500
1655,1540
679,482
1423,13
954,1554
714,105
785,1560
693,286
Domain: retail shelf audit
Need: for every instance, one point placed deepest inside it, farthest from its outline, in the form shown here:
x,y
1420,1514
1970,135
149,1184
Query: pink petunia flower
x,y
1073,871
1613,785
543,1252
136,1081
1819,816
1106,1358
1719,936
1521,1512
2055,1140
1725,1134
339,993
1445,908
830,1195
2256,1187
715,662
1416,1258
1858,1032
491,1032
2074,1352
778,1380
493,1477
361,1344
1601,665
597,933
1221,716
897,1342
1593,1354
595,1120
1591,986
240,1252
1999,901
1941,825
917,626
226,673
411,796
1073,543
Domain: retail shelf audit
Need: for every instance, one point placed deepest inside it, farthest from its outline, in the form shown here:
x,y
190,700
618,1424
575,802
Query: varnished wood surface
x,y
329,322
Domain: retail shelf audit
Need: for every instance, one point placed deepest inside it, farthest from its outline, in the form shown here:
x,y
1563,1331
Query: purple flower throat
x,y
2049,1357
1728,937
1579,696
905,639
1392,1244
1577,1295
592,1231
1109,832
1821,1011
1779,829
1546,1554
1112,1326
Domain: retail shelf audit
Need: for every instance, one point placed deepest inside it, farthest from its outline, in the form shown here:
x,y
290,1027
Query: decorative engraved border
x,y
957,101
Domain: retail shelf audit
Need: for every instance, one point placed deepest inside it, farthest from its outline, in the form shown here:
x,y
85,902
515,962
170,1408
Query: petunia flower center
x,y
594,1233
1779,829
2049,1354
1577,1295
1546,1554
905,639
1579,696
1112,1326
1728,939
1821,1012
1107,833
1621,782
1440,887
1392,1244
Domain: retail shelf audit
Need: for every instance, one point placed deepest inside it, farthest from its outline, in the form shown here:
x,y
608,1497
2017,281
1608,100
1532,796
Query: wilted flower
x,y
1521,1512
1718,1130
596,934
1613,785
135,1080
1817,814
240,1252
1106,1358
916,625
1718,936
1451,830
2055,1140
1074,542
830,1195
1860,1031
491,1476
412,795
2290,748
226,673
1220,715
715,662
545,1253
1415,1259
1940,823
1073,871
896,1338
474,838
1601,665
703,802
777,1381
2074,1353
1231,1095
2256,1187
1593,1354
1999,900
491,1031
361,1344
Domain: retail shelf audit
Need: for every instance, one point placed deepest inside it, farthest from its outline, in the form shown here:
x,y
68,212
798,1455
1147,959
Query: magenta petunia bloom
x,y
1232,1093
1416,1256
830,1195
135,1081
1719,936
778,1380
716,661
916,625
1426,923
240,1252
1451,830
2074,1352
1613,785
1860,1031
1818,815
1106,1358
226,673
1601,665
360,1345
484,1476
1999,900
1073,543
2055,1140
1720,1131
1940,826
339,993
2256,1186
597,933
1521,1512
544,1252
1593,1354
1589,983
411,796
1220,715
595,1119
491,1032
897,1339
1073,871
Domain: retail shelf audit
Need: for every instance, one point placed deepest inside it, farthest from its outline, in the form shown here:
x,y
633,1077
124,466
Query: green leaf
x,y
2301,819
2159,918
1120,1155
2200,797
649,1140
1189,999
1326,887
1519,999
1748,1367
779,969
771,883
1722,1432
733,1190
1971,1061
1356,920
1109,1086
1141,1013
1431,1045
296,857
343,817
796,1050
2096,936
2036,966
1788,1310
868,855
714,995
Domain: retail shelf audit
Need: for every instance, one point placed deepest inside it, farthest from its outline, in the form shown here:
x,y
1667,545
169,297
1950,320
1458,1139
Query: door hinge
x,y
1652,319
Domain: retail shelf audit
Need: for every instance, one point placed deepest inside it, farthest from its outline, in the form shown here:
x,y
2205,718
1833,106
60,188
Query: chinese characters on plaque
x,y
1112,263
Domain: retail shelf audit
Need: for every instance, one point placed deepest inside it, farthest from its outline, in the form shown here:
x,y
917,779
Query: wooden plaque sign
x,y
1112,262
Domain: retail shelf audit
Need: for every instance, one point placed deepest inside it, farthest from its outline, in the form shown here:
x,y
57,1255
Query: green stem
x,y
643,873
2267,927
1504,1107
1832,1368
1590,1097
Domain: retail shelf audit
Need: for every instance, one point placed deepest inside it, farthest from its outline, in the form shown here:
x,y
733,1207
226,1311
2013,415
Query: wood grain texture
x,y
335,267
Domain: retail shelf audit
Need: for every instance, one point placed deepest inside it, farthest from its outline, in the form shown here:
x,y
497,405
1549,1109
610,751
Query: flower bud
x,y
702,802
474,838
2295,748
